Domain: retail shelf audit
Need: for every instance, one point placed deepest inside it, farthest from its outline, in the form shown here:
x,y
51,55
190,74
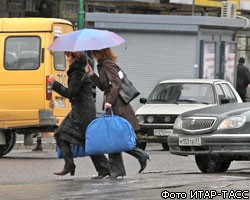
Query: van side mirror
x,y
143,100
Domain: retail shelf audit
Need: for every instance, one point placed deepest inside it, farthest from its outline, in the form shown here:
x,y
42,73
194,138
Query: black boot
x,y
38,145
65,171
142,157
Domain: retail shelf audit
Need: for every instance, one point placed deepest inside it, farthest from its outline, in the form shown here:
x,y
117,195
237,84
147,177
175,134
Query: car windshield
x,y
182,93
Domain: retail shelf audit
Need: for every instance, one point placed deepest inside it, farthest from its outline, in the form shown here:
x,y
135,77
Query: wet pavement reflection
x,y
27,175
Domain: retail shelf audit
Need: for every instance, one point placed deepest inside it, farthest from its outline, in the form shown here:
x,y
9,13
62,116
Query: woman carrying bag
x,y
110,82
83,111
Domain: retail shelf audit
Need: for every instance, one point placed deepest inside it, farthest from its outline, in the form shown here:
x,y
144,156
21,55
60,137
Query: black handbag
x,y
128,91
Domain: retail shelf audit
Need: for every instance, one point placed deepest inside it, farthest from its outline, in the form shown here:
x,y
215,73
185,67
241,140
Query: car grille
x,y
197,123
162,119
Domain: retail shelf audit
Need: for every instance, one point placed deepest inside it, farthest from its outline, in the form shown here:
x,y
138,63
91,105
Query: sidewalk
x,y
48,142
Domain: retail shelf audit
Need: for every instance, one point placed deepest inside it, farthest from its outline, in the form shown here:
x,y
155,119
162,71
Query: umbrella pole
x,y
87,56
87,60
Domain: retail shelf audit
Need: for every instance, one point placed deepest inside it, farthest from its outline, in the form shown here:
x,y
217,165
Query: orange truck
x,y
27,102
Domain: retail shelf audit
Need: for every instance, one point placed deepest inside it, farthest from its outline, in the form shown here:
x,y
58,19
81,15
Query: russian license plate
x,y
162,132
190,141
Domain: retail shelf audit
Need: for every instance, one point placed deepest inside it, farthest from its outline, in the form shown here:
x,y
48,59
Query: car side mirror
x,y
224,100
143,100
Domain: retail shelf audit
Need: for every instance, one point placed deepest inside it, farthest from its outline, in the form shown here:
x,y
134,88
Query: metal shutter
x,y
148,58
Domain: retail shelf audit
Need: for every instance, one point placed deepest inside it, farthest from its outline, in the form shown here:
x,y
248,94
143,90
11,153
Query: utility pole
x,y
81,18
193,4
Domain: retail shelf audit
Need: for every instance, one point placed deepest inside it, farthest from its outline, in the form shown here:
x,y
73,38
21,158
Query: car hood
x,y
220,110
168,109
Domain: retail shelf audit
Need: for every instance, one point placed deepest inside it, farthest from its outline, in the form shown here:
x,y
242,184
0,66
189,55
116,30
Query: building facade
x,y
167,47
68,9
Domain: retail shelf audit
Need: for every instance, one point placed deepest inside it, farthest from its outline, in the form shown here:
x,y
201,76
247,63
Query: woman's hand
x,y
107,106
52,79
88,69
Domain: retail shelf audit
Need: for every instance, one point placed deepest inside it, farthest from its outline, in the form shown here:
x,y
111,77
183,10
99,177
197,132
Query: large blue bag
x,y
109,134
77,151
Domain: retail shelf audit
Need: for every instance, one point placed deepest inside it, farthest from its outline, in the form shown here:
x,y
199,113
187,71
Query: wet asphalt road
x,y
28,175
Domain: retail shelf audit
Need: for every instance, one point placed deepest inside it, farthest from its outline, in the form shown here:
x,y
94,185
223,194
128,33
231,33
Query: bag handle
x,y
104,112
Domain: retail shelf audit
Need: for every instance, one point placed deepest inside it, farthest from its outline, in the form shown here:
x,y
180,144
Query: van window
x,y
59,61
229,93
22,53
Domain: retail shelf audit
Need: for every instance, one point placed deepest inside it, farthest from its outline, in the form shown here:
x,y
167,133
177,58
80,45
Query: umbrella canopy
x,y
86,39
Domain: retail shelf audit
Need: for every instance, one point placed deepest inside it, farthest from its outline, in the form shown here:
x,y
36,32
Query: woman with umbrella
x,y
72,129
110,82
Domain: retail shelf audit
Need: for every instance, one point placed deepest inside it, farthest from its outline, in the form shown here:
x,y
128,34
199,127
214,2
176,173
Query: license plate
x,y
59,103
162,132
190,141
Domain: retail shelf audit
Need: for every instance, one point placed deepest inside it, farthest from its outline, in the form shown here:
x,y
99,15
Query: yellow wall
x,y
213,3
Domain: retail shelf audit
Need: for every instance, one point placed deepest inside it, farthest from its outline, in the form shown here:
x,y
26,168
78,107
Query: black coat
x,y
243,79
83,111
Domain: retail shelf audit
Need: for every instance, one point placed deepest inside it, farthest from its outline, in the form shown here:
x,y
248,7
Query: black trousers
x,y
116,161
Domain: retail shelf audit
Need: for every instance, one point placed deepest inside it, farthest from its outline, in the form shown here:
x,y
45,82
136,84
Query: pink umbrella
x,y
86,39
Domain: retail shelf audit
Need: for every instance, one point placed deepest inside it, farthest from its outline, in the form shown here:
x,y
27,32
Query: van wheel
x,y
141,145
165,146
10,137
212,164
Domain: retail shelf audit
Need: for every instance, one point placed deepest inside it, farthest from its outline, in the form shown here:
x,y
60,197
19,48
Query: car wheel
x,y
10,137
141,145
212,164
165,146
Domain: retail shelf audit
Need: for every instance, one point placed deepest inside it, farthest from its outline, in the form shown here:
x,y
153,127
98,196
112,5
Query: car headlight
x,y
177,123
232,122
140,119
150,119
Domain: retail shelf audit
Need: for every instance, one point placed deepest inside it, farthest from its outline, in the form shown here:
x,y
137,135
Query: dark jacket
x,y
79,92
109,82
243,79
